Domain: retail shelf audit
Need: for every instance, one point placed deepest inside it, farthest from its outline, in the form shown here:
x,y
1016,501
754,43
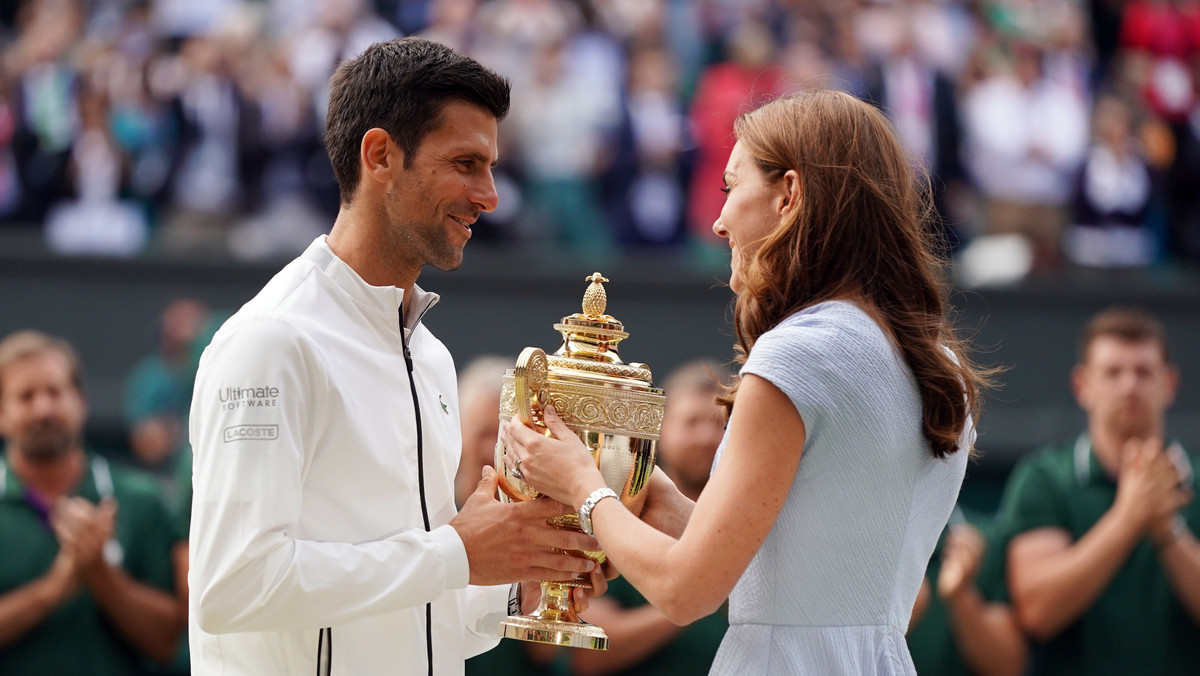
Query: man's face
x,y
41,410
435,201
691,432
1126,386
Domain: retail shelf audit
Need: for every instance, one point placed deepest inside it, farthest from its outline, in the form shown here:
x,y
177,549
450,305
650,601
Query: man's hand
x,y
962,556
1148,488
666,508
510,542
83,529
531,593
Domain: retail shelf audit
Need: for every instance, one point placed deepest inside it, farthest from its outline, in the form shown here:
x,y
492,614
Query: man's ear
x,y
379,155
793,190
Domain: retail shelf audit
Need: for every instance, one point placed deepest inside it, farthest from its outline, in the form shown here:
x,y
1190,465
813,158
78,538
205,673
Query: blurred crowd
x,y
1055,131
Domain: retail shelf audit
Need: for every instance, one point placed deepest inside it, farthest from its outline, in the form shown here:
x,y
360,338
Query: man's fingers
x,y
599,581
487,484
543,509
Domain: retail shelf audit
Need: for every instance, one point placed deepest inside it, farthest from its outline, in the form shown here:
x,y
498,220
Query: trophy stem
x,y
555,622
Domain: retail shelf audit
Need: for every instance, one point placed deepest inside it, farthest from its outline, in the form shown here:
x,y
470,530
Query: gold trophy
x,y
614,409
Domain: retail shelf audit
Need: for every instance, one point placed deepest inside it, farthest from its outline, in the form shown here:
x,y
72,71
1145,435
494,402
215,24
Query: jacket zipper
x,y
325,652
412,384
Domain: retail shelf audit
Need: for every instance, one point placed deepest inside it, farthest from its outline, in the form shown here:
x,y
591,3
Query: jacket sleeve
x,y
259,390
486,607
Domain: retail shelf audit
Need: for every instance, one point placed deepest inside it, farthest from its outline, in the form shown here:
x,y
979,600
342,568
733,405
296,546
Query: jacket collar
x,y
385,298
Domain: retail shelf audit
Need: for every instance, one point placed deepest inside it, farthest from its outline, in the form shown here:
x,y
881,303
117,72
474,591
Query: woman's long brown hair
x,y
861,233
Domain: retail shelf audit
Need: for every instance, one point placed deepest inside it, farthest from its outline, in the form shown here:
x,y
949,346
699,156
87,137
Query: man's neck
x,y
1107,445
51,478
362,245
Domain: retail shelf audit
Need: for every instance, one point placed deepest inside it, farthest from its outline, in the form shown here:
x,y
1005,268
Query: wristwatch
x,y
585,511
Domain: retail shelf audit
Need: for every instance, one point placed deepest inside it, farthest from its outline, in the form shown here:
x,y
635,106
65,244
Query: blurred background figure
x,y
962,624
1103,561
746,75
158,391
645,185
479,385
641,639
1111,224
1025,136
86,578
919,95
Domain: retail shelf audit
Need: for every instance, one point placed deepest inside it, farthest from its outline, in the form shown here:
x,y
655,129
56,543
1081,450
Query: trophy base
x,y
554,632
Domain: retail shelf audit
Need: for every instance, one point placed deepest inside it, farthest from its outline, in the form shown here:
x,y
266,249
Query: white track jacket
x,y
324,479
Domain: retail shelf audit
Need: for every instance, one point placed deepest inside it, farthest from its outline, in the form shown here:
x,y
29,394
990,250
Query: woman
x,y
849,425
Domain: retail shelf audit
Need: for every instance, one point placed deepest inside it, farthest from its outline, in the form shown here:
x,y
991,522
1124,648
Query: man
x,y
85,547
324,421
642,640
1104,569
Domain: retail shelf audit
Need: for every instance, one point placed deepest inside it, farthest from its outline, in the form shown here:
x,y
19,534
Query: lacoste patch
x,y
251,433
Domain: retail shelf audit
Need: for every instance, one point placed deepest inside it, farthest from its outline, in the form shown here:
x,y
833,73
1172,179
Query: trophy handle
x,y
529,386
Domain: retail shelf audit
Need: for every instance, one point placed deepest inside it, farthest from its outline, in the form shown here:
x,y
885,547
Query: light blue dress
x,y
831,590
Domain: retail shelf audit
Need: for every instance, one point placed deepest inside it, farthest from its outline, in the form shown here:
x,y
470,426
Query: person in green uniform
x,y
642,641
86,581
1104,566
962,623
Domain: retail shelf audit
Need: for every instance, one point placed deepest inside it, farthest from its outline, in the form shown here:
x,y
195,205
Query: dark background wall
x,y
500,302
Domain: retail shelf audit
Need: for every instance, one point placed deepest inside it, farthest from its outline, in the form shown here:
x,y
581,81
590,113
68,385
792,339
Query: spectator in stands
x,y
86,580
645,186
642,639
1183,177
1103,565
561,123
920,99
744,79
44,83
1025,136
1113,195
962,623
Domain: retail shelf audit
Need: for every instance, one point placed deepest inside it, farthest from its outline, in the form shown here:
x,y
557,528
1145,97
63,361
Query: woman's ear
x,y
792,190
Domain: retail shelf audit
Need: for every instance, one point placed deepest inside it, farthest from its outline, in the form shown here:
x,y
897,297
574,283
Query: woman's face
x,y
753,208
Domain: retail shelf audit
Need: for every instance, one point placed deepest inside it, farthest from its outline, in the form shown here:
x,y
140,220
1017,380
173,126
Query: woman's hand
x,y
559,466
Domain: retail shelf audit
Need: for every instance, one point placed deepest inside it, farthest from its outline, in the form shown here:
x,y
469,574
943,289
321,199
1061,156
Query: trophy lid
x,y
590,337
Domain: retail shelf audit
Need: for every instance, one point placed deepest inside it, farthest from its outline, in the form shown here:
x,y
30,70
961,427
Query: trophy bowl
x,y
617,414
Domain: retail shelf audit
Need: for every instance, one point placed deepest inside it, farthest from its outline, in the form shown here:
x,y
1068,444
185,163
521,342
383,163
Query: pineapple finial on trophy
x,y
595,300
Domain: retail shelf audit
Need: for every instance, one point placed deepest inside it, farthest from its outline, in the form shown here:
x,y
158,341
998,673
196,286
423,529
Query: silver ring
x,y
516,474
516,470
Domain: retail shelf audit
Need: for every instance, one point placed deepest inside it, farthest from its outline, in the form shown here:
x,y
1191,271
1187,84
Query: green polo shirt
x,y
77,638
931,641
1138,625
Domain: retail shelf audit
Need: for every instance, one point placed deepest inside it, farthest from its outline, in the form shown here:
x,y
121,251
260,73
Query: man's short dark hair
x,y
1126,323
401,87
